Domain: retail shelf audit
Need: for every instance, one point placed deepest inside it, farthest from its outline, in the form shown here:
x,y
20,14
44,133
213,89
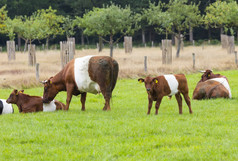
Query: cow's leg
x,y
179,100
70,89
83,99
149,105
107,104
157,105
187,100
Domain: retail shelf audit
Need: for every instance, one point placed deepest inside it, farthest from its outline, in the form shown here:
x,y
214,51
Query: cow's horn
x,y
43,82
201,71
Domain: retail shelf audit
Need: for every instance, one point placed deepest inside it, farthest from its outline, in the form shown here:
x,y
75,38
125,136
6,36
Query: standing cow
x,y
212,86
166,85
26,103
5,108
93,74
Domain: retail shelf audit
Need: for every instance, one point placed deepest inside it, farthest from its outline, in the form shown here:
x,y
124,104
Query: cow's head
x,y
50,91
13,98
208,74
149,82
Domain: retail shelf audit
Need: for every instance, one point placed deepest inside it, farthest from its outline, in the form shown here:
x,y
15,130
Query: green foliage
x,y
109,21
52,22
3,18
222,14
125,132
68,26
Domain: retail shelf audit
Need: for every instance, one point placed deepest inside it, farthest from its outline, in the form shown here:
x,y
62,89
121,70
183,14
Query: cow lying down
x,y
26,103
212,86
166,85
5,108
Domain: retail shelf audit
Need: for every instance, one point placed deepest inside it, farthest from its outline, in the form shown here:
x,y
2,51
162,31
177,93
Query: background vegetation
x,y
125,132
216,17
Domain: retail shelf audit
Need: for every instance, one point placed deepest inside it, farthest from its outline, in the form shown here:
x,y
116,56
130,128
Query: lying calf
x,y
5,107
166,85
212,88
26,103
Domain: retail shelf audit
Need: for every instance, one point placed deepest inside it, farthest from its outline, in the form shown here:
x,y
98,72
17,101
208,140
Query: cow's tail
x,y
113,76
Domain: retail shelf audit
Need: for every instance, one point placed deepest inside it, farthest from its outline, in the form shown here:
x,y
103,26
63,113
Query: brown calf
x,y
166,85
208,74
26,103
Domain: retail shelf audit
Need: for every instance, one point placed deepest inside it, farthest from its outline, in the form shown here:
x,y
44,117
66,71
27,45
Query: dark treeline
x,y
79,7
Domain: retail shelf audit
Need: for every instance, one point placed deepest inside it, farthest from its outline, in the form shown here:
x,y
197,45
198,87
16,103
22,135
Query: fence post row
x,y
145,63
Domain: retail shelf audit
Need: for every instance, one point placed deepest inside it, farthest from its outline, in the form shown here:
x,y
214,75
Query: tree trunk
x,y
82,38
237,36
19,42
143,36
25,48
179,44
111,46
209,34
100,44
173,36
221,31
47,43
190,34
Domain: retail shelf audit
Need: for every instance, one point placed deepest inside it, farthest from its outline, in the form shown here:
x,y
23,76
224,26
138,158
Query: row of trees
x,y
112,22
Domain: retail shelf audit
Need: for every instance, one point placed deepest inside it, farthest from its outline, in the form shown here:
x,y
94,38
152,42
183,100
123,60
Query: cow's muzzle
x,y
148,89
46,101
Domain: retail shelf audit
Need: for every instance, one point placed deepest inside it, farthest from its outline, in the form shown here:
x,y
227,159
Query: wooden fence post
x,y
224,41
193,60
0,49
166,51
128,44
72,45
31,55
230,44
145,63
11,50
37,72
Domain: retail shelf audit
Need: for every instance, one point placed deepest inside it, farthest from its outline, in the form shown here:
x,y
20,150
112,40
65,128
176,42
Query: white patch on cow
x,y
224,82
173,84
49,107
81,76
7,108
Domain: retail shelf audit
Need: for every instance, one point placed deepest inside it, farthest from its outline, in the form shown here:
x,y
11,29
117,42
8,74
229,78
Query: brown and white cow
x,y
166,85
93,74
26,103
212,86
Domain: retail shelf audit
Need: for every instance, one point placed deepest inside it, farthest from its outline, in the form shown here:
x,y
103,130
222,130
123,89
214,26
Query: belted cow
x,y
93,74
5,108
212,86
26,103
166,85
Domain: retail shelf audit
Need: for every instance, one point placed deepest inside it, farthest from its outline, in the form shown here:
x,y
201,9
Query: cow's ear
x,y
21,91
15,91
141,80
155,80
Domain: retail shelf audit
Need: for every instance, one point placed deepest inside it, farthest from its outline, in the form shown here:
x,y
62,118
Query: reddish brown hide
x,y
158,87
101,71
210,89
26,103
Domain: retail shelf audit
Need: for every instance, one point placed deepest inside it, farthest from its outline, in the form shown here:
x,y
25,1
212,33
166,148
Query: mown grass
x,y
125,132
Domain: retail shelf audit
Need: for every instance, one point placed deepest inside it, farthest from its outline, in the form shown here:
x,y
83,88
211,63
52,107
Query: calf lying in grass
x,y
166,85
26,103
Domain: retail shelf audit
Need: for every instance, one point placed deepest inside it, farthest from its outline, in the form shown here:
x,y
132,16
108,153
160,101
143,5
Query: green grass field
x,y
125,132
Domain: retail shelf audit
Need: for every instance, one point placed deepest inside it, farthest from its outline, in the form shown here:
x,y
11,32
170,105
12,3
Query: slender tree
x,y
109,21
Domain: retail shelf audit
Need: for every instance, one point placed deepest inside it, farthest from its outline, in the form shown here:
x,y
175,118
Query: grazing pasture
x,y
17,74
125,132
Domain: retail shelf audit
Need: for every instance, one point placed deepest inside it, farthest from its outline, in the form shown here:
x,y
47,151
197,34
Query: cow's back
x,y
223,81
